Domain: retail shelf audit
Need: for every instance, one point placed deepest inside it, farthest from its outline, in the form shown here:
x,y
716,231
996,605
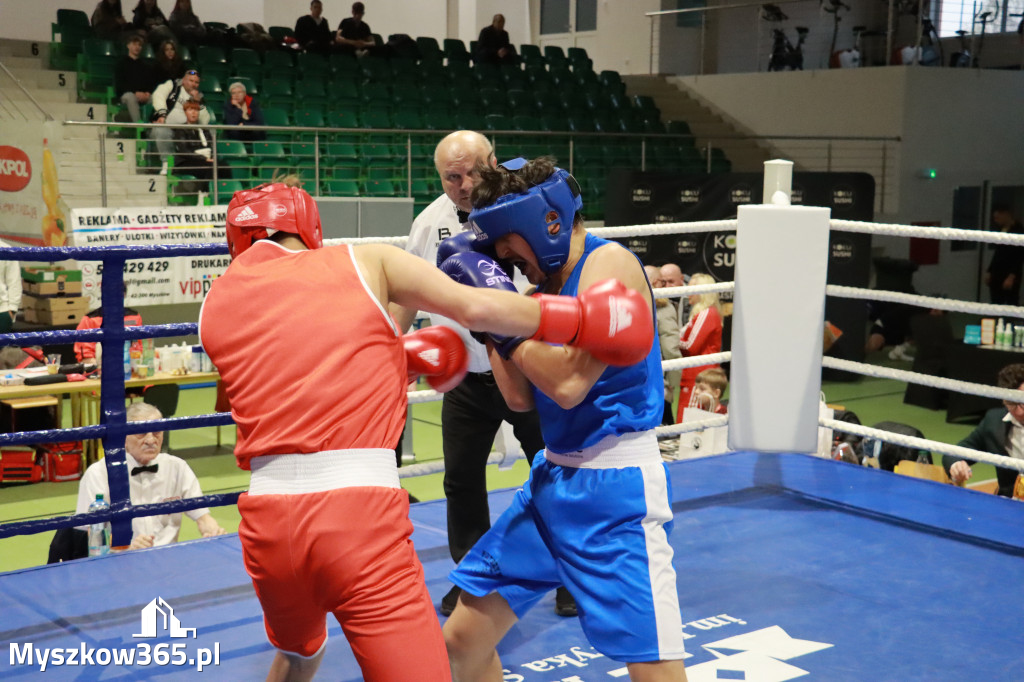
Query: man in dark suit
x,y
1000,432
493,44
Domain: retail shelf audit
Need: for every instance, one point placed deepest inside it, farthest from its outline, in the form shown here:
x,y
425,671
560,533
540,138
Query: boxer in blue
x,y
595,513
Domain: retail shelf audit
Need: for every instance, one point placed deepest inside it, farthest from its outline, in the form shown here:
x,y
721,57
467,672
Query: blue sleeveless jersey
x,y
624,399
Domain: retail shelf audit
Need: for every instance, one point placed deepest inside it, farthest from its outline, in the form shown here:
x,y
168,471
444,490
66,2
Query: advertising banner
x,y
31,210
640,198
152,281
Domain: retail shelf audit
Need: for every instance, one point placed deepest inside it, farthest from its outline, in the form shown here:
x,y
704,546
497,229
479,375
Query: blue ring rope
x,y
112,428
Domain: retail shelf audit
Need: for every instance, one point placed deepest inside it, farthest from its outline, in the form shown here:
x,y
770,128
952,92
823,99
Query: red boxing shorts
x,y
348,552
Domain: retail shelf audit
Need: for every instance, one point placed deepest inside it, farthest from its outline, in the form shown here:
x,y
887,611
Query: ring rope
x,y
697,361
924,444
604,232
436,466
897,230
924,379
951,305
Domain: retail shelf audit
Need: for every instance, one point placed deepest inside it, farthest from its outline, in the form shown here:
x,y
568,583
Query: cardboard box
x,y
50,281
55,317
54,303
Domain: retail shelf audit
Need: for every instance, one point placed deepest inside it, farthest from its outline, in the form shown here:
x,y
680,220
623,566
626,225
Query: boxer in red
x,y
316,374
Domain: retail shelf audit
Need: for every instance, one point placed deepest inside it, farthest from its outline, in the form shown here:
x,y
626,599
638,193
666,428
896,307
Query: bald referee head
x,y
456,159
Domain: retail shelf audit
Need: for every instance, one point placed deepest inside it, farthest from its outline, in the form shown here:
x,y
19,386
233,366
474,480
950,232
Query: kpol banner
x,y
32,212
152,281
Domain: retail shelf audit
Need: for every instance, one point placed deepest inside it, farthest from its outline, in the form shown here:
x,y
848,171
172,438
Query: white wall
x,y
964,123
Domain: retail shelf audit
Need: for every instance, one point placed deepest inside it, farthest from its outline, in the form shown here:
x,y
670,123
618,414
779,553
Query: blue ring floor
x,y
788,567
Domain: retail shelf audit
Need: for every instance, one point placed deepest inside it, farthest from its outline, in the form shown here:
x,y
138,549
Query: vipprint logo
x,y
157,620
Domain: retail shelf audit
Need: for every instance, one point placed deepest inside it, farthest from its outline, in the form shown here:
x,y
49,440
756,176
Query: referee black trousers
x,y
471,415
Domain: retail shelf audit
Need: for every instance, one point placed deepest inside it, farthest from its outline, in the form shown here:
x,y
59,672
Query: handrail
x,y
28,94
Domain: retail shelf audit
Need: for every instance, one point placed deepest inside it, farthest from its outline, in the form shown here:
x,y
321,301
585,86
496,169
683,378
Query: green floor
x,y
873,400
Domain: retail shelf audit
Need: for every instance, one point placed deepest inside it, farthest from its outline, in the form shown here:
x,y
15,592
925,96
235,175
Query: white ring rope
x,y
696,361
664,229
924,444
436,466
982,390
694,289
925,301
897,230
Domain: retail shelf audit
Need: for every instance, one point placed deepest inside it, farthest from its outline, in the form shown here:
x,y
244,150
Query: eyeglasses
x,y
193,72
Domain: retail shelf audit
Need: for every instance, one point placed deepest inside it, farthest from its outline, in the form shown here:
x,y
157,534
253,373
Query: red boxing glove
x,y
438,354
609,321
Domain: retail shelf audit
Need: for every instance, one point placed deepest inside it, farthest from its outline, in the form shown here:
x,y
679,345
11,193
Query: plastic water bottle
x,y
99,533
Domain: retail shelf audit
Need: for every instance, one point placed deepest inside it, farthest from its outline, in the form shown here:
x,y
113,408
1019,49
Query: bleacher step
x,y
10,47
46,79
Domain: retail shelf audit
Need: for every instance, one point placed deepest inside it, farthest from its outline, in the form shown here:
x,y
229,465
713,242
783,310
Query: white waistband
x,y
611,452
321,471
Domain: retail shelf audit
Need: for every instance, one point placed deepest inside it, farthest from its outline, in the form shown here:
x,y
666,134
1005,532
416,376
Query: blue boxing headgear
x,y
526,215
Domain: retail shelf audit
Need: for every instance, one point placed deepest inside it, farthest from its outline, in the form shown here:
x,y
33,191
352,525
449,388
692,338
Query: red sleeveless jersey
x,y
310,359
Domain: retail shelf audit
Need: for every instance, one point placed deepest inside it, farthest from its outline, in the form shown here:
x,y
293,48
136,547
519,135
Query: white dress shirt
x,y
173,480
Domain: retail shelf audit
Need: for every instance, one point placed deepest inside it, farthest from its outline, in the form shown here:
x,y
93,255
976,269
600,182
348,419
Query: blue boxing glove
x,y
483,272
460,243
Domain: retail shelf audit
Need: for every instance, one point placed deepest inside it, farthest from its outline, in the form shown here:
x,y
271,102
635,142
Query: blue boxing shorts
x,y
596,521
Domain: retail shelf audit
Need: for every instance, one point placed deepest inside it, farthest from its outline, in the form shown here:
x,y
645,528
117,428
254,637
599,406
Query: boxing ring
x,y
788,565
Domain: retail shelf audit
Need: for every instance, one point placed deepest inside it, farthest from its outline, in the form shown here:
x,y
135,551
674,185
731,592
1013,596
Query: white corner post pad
x,y
778,326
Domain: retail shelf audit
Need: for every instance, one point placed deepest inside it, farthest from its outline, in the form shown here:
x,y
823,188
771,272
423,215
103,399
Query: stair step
x,y
45,79
15,94
10,47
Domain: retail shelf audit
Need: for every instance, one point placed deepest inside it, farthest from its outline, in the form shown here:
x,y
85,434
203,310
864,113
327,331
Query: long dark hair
x,y
112,9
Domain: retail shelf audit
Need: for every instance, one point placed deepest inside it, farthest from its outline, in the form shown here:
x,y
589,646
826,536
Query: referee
x,y
471,413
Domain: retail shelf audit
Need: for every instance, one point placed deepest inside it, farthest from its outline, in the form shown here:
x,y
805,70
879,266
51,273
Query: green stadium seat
x,y
227,188
303,154
577,54
526,123
375,117
309,93
228,149
244,56
376,94
210,54
531,55
497,122
430,51
343,118
492,99
343,65
310,62
96,78
678,128
211,87
436,118
554,55
375,70
455,51
380,188
279,33
340,188
408,119
278,59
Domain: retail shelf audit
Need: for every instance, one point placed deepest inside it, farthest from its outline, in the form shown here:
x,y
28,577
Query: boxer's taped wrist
x,y
559,318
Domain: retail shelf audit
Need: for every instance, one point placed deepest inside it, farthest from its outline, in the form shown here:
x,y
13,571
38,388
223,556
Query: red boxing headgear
x,y
274,206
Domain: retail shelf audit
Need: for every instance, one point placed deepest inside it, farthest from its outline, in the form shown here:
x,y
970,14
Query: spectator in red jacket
x,y
701,335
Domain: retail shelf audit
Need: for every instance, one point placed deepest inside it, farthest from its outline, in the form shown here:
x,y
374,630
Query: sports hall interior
x,y
699,88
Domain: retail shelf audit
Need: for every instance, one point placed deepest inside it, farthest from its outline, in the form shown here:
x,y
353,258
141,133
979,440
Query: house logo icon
x,y
158,617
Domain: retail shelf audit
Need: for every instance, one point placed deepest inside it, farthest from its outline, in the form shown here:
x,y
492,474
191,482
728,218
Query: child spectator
x,y
708,390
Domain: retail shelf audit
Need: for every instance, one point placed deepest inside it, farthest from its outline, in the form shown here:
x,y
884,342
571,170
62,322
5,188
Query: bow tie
x,y
151,469
463,215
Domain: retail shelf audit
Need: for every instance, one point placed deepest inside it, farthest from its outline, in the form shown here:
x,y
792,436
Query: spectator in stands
x,y
674,277
10,292
108,20
240,109
701,335
168,100
169,65
153,476
890,326
185,24
709,389
1001,432
1004,270
194,150
668,334
313,31
354,34
493,45
149,20
134,79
